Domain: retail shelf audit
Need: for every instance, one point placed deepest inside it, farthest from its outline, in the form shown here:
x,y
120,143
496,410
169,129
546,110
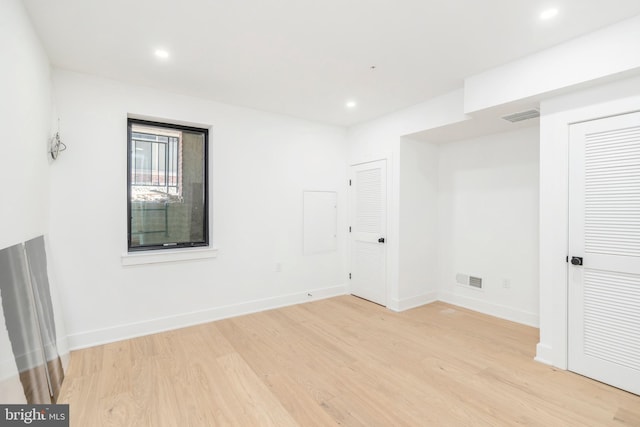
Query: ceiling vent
x,y
521,116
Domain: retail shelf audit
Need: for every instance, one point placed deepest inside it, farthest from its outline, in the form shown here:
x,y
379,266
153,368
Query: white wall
x,y
488,223
558,78
418,225
608,53
557,114
605,61
462,207
25,114
260,164
380,139
435,229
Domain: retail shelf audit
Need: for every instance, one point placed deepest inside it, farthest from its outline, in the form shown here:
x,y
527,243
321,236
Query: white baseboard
x,y
543,354
413,302
492,309
147,327
8,369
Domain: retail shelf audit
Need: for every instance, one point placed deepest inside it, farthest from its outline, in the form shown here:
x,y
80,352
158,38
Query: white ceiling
x,y
306,58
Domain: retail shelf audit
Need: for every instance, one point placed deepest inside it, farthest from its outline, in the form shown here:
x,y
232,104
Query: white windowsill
x,y
168,255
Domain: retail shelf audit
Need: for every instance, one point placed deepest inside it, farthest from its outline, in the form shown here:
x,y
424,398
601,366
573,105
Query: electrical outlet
x,y
506,283
278,267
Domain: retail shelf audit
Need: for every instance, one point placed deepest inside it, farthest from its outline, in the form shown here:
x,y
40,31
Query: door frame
x,y
557,116
389,235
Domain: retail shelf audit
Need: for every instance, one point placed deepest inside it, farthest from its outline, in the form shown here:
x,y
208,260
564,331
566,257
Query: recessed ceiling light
x,y
548,14
161,53
350,104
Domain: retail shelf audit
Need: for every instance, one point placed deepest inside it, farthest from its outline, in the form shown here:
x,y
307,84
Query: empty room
x,y
299,213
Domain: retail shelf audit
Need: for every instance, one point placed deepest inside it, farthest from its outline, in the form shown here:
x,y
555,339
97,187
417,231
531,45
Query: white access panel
x,y
320,221
604,229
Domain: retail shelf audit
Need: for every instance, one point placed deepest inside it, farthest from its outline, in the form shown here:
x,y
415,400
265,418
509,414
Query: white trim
x,y
8,368
413,302
33,358
492,309
65,359
556,116
161,324
167,255
544,354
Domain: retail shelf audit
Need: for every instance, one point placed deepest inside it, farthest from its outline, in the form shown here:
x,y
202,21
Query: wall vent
x,y
476,282
522,115
462,279
466,280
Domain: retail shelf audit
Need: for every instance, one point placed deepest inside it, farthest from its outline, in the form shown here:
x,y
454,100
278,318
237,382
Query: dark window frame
x,y
171,245
171,163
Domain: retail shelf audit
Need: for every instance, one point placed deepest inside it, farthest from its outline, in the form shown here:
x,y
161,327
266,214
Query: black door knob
x,y
381,240
576,260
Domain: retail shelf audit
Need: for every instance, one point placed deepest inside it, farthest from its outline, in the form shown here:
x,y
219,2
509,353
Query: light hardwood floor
x,y
341,361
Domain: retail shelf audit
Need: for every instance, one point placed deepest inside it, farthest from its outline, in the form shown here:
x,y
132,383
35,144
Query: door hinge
x,y
349,275
349,183
567,259
349,229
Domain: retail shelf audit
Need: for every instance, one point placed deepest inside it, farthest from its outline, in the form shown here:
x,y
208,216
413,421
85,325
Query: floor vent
x,y
521,116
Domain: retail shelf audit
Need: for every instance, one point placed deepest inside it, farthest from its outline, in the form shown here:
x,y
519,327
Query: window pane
x,y
167,186
193,183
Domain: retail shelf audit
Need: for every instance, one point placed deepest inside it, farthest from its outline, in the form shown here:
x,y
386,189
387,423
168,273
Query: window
x,y
167,191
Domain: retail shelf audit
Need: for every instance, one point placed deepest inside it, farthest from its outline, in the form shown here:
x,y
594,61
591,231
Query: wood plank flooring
x,y
341,361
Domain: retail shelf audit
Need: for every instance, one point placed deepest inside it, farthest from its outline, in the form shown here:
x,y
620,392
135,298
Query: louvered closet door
x,y
368,231
604,229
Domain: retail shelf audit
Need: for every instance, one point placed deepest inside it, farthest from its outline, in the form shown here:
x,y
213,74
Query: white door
x,y
368,226
604,230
